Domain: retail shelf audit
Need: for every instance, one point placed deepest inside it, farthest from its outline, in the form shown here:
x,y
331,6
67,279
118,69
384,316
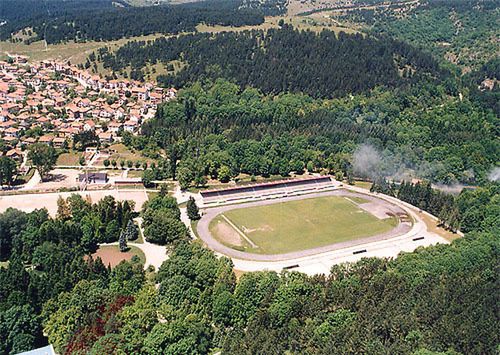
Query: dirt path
x,y
243,235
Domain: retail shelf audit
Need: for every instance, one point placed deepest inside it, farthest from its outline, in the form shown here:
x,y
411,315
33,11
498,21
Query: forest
x,y
111,23
462,32
414,133
15,10
321,65
436,300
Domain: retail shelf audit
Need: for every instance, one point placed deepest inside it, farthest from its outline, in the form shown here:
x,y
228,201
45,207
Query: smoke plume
x,y
494,175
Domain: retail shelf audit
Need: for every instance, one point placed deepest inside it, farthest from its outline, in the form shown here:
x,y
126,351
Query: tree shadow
x,y
55,178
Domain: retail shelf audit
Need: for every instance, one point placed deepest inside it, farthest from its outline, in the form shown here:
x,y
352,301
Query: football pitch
x,y
290,226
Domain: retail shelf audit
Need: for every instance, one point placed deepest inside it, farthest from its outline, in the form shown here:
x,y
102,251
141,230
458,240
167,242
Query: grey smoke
x,y
494,175
454,189
370,162
405,165
367,161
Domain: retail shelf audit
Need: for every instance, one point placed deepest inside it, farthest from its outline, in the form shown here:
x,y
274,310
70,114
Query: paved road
x,y
322,263
34,181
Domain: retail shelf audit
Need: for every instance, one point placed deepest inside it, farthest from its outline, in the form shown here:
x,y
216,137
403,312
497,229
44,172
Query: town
x,y
51,102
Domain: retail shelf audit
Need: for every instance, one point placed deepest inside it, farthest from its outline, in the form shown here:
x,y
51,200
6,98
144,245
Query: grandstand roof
x,y
269,185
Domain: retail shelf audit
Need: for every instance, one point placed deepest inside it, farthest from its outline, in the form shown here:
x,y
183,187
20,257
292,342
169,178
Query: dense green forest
x,y
464,31
440,299
110,23
16,10
281,60
486,97
422,132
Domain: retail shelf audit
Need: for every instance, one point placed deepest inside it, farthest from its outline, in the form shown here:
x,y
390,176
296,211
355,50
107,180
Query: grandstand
x,y
266,191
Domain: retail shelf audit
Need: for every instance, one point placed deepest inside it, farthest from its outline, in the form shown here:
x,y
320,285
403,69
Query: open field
x,y
134,173
71,158
123,153
297,225
75,52
111,254
299,22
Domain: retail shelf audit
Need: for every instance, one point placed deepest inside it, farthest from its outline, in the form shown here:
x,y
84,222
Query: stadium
x,y
285,220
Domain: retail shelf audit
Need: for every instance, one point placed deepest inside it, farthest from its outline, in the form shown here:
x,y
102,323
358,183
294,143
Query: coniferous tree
x,y
131,231
122,242
192,209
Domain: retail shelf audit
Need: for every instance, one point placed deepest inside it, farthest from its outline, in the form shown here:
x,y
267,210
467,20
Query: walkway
x,y
34,181
155,254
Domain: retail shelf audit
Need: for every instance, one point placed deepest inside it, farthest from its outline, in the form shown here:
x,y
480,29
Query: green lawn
x,y
125,154
135,173
303,224
363,184
358,200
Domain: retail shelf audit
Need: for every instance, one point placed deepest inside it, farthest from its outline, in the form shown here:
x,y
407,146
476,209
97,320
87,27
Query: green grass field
x,y
298,225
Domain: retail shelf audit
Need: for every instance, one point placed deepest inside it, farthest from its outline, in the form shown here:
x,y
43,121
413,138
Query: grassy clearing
x,y
122,153
75,52
114,172
4,264
194,228
134,173
298,225
363,184
316,24
72,158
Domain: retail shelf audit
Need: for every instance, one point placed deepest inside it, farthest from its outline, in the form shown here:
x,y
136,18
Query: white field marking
x,y
348,199
239,231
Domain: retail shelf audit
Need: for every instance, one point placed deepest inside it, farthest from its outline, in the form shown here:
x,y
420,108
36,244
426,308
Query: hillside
x,y
463,32
321,65
104,23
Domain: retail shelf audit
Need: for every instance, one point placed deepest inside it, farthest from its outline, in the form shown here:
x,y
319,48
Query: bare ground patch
x,y
227,234
111,254
379,210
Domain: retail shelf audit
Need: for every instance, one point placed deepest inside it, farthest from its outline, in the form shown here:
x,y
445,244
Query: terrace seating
x,y
269,190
